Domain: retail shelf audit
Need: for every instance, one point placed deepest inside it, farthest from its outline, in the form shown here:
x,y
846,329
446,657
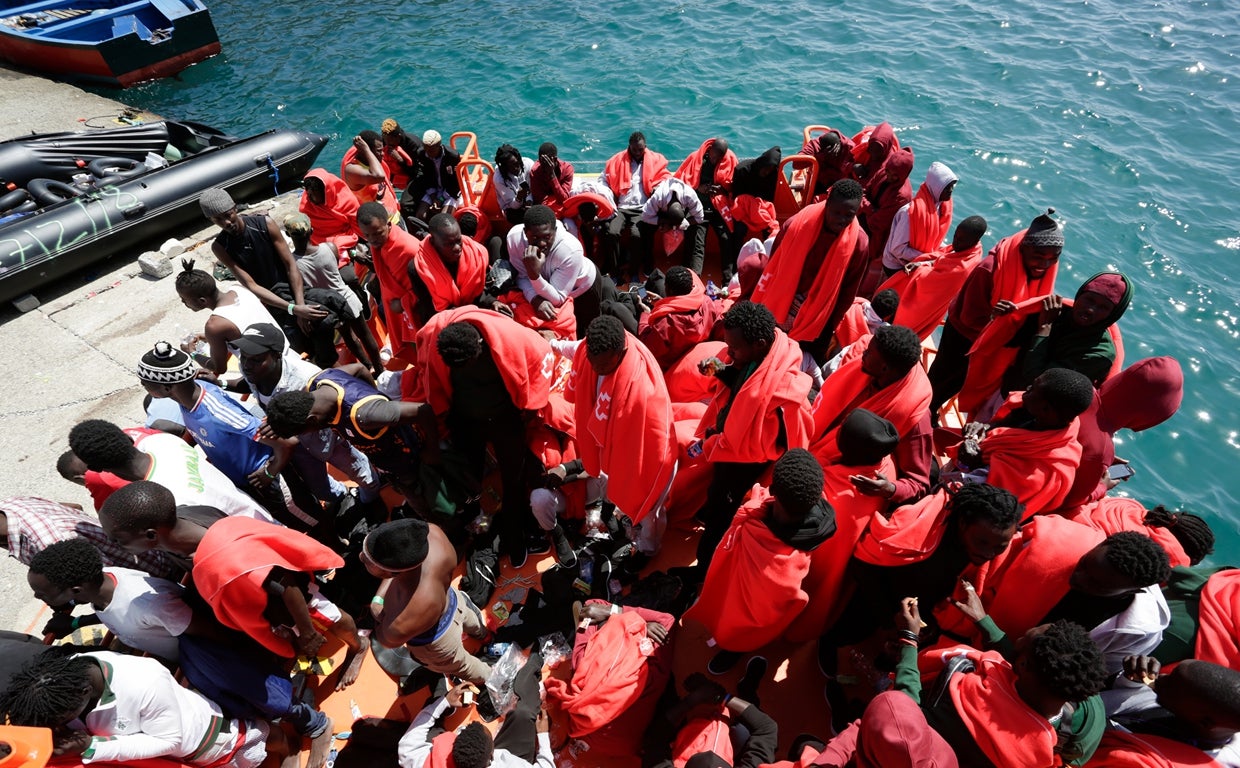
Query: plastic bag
x,y
499,684
554,649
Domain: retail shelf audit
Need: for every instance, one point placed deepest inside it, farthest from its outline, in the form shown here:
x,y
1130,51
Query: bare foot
x,y
353,664
321,746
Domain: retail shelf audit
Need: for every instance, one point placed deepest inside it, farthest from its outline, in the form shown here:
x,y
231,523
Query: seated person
x,y
261,579
523,738
1034,705
1202,601
892,733
1080,339
920,225
552,268
927,286
399,149
621,665
674,212
551,179
447,271
762,560
632,175
686,316
332,209
1187,538
377,426
28,525
753,197
708,170
698,729
833,151
866,316
111,708
511,182
319,269
365,171
434,187
888,380
232,311
164,459
1031,447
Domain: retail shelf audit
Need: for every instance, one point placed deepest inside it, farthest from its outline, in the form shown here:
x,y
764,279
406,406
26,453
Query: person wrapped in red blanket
x,y
1186,537
928,284
816,266
332,209
752,591
760,410
686,316
622,659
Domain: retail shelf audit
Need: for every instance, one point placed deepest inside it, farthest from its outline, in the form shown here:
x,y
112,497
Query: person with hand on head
x,y
365,171
551,179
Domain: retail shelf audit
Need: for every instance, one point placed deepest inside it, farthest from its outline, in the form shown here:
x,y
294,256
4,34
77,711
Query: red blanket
x,y
335,220
702,734
624,428
1134,750
620,172
757,214
563,325
928,222
685,384
910,535
777,288
902,403
753,589
381,191
1113,514
1036,466
753,426
825,582
678,322
392,269
525,359
483,233
446,291
690,172
929,288
1005,728
1044,552
1218,620
233,560
853,326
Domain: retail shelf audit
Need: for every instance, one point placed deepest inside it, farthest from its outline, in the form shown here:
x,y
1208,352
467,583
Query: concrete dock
x,y
73,357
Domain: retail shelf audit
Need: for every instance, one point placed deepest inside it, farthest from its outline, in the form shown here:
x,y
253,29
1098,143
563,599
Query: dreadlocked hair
x,y
194,283
979,502
1067,661
69,563
47,692
1138,557
1192,531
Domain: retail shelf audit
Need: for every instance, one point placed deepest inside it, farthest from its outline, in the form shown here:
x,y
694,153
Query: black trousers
x,y
947,372
723,498
519,733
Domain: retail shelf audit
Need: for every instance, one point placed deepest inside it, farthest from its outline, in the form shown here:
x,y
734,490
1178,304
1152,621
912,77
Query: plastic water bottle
x,y
712,290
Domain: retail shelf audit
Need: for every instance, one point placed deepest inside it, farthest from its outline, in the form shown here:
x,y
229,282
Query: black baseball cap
x,y
260,338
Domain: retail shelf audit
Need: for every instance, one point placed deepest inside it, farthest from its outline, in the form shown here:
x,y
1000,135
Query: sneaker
x,y
747,688
828,662
723,661
536,543
565,555
516,552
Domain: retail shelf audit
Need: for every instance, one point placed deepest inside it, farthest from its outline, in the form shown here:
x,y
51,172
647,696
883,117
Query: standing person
x,y
921,224
675,212
709,171
447,271
760,409
631,175
392,249
319,267
928,285
552,268
1019,267
551,179
416,604
225,430
512,182
434,187
623,426
254,250
752,591
816,267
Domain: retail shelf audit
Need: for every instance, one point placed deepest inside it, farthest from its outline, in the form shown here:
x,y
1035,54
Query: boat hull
x,y
44,246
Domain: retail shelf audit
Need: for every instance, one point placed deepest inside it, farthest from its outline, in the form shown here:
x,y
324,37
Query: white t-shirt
x,y
146,612
245,311
184,470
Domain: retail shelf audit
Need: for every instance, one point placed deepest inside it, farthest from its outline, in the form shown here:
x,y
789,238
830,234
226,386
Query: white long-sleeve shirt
x,y
415,747
144,713
566,272
674,190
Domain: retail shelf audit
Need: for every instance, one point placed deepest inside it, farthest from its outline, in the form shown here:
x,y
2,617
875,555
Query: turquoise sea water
x,y
1122,116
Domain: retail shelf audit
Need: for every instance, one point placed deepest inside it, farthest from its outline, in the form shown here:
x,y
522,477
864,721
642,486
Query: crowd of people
x,y
436,390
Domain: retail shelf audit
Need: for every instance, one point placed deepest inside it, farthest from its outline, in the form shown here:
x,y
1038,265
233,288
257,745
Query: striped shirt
x,y
225,430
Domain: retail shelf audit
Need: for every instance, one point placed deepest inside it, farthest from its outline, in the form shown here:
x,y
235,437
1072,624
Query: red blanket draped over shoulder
x,y
902,403
625,428
928,222
1218,620
446,291
926,291
525,360
233,560
910,535
392,269
483,233
703,734
853,326
690,172
753,589
1137,750
381,191
336,220
563,325
777,391
678,322
1006,729
1044,552
1113,514
620,172
824,584
777,288
1037,466
685,383
441,751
